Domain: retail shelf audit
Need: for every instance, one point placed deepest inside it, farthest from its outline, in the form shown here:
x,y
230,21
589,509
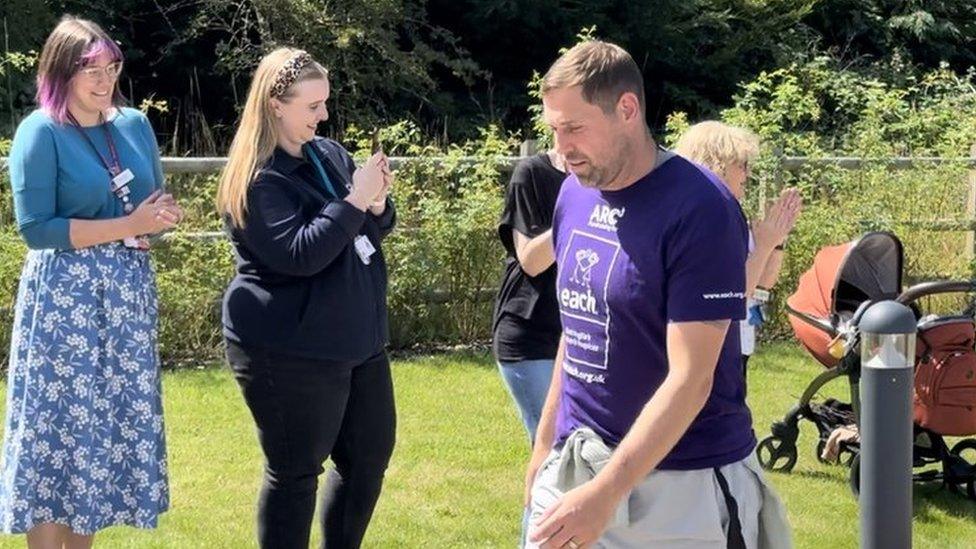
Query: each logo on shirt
x,y
581,302
604,217
585,270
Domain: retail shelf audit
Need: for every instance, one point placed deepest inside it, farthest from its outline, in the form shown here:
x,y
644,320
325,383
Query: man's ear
x,y
628,106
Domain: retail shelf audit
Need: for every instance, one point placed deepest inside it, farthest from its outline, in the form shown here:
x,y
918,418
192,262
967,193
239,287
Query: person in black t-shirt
x,y
526,325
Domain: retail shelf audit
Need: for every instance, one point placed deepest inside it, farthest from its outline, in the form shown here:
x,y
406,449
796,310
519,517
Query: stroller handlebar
x,y
848,327
819,323
924,289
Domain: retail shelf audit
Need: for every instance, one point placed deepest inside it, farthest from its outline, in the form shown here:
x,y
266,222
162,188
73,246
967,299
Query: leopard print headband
x,y
289,73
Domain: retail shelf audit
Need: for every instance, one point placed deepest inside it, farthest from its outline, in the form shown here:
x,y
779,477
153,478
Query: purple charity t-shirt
x,y
669,248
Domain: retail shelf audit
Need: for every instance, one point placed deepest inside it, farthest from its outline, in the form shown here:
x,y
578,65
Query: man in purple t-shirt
x,y
645,438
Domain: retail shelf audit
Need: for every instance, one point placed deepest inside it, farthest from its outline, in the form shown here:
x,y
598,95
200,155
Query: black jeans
x,y
306,411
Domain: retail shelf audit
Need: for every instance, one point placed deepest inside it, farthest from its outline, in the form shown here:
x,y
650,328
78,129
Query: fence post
x,y
777,180
529,147
971,208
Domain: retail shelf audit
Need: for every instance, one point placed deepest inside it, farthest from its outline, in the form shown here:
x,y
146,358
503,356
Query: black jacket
x,y
301,289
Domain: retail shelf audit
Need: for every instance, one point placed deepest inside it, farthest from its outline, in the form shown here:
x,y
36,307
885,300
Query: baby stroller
x,y
824,313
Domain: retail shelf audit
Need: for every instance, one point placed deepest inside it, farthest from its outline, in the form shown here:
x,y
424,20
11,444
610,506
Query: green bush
x,y
191,276
11,259
445,256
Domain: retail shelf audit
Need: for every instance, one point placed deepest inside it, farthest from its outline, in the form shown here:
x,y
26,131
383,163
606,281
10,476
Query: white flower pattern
x,y
84,443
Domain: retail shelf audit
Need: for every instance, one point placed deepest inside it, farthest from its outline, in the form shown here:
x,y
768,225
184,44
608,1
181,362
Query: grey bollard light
x,y
888,332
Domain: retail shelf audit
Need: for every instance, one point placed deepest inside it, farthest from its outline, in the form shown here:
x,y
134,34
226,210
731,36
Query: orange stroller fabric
x,y
814,296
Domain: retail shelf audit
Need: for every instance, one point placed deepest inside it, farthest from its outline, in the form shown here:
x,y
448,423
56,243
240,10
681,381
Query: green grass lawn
x,y
456,477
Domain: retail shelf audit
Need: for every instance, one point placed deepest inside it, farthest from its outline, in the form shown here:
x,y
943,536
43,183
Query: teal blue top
x,y
56,176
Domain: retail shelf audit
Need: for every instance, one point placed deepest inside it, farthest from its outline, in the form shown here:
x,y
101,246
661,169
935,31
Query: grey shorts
x,y
685,509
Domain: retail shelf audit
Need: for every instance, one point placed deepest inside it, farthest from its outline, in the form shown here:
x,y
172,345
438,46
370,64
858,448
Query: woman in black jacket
x,y
305,317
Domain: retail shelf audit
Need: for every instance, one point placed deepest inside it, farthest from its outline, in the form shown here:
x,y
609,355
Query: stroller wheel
x,y
855,477
966,449
775,454
961,473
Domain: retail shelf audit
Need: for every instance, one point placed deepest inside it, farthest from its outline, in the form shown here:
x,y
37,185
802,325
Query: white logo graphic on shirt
x,y
585,260
584,279
725,295
604,217
581,301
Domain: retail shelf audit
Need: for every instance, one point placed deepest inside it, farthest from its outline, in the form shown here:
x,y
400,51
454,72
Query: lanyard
x,y
310,153
119,179
113,165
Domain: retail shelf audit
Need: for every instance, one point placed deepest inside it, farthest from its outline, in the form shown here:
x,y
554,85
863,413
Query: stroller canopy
x,y
841,278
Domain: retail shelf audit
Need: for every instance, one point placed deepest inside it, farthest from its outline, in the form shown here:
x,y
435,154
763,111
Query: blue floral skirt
x,y
84,444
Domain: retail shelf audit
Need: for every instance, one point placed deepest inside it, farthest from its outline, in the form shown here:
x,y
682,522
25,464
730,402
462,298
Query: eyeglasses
x,y
111,71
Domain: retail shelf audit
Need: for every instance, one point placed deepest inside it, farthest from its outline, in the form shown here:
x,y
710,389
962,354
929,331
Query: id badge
x,y
364,248
122,180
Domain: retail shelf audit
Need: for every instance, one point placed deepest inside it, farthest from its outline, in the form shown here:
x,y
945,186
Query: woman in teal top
x,y
59,176
83,445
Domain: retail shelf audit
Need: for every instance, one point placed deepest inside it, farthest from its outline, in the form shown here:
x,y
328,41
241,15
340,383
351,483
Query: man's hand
x,y
576,520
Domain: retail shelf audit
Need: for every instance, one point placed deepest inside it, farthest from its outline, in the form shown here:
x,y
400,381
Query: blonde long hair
x,y
718,146
257,133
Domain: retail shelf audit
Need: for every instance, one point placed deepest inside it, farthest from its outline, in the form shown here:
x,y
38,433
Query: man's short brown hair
x,y
605,71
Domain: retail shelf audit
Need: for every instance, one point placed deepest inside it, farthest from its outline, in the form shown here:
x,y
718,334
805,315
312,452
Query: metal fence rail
x,y
213,164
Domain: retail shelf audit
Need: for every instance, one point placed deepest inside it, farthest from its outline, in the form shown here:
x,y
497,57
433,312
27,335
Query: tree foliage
x,y
454,66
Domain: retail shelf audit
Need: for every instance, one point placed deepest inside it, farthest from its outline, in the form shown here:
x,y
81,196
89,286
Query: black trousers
x,y
307,411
